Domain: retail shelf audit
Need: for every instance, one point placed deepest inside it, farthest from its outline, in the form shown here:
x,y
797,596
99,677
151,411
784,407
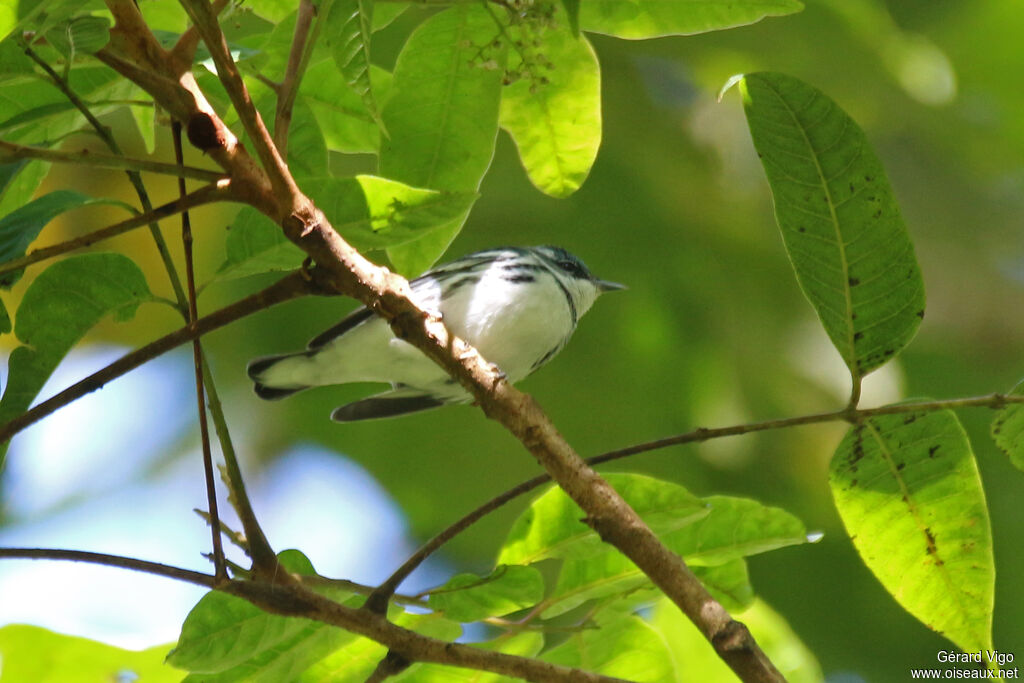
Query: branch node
x,y
203,132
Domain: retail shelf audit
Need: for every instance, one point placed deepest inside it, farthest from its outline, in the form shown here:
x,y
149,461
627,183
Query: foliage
x,y
904,480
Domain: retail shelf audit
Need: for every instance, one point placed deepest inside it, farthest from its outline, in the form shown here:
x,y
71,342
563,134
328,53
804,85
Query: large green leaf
x,y
1008,429
58,308
346,124
468,597
696,660
442,118
30,653
839,219
225,638
19,228
369,212
580,581
908,491
653,18
733,529
554,112
553,524
349,28
357,659
625,647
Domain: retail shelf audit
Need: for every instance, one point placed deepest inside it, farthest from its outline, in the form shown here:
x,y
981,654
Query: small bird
x,y
517,305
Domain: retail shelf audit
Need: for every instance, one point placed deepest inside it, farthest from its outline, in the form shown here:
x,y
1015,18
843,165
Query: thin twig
x,y
290,287
10,151
155,568
205,195
197,361
380,595
292,76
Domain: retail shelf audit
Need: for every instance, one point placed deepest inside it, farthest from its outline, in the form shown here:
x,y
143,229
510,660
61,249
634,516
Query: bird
x,y
518,306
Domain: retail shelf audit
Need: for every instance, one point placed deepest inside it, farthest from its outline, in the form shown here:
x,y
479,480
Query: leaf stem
x,y
10,151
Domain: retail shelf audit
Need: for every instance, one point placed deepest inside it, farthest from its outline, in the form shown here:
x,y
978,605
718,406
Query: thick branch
x,y
10,152
289,287
222,191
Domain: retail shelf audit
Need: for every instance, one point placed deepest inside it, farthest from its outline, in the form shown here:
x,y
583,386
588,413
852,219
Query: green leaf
x,y
695,659
553,524
735,528
344,121
442,118
307,150
714,547
255,244
58,308
908,490
1008,429
378,213
369,212
145,121
20,228
654,18
232,639
839,219
80,35
349,28
357,659
626,647
468,597
19,183
613,574
30,653
553,113
5,319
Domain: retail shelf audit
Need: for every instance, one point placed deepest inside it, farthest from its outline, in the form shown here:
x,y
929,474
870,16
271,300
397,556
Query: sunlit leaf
x,y
695,659
626,647
357,659
344,121
839,219
553,112
908,491
442,118
20,228
580,581
369,212
468,597
653,18
1008,429
58,308
30,653
553,524
225,638
307,150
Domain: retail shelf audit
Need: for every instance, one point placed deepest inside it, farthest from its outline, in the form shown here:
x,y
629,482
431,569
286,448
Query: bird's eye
x,y
574,268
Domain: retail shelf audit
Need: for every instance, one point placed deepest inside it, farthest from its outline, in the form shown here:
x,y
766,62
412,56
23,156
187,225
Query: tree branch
x,y
292,76
10,151
290,287
292,599
222,191
348,272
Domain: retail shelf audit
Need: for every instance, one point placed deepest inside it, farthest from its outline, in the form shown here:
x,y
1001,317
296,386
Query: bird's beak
x,y
606,286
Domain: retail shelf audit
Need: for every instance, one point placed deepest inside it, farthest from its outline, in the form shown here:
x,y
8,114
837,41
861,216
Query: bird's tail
x,y
274,376
400,401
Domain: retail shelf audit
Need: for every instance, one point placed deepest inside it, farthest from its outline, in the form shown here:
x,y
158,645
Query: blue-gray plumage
x,y
517,305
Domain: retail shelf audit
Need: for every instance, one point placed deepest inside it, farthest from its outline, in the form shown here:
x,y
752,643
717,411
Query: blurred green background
x,y
713,330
